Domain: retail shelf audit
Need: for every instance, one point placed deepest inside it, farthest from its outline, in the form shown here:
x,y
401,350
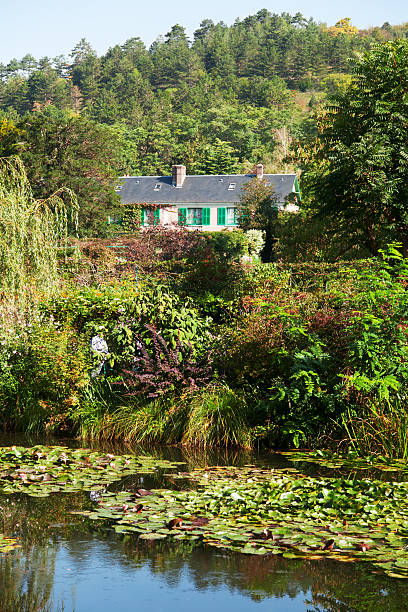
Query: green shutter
x,y
156,218
206,216
143,216
221,216
182,216
297,189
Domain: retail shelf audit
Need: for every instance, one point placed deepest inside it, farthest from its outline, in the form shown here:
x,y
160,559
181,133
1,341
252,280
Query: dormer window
x,y
231,186
157,187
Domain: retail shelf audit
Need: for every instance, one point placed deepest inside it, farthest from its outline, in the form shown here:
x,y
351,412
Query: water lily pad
x,y
152,536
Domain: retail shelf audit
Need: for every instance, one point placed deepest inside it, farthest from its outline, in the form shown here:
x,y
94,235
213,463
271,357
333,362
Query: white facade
x,y
170,214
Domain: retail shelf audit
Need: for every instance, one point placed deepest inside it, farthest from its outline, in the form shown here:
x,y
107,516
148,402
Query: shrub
x,y
310,355
44,372
160,369
121,312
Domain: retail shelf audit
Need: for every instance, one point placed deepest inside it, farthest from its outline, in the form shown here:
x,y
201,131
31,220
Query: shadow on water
x,y
68,562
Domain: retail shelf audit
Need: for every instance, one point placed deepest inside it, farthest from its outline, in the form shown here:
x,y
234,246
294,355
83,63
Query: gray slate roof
x,y
211,189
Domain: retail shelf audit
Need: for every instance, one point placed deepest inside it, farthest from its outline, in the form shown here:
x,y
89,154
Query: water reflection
x,y
68,562
97,571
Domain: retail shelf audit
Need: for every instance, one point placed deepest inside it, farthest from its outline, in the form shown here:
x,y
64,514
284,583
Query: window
x,y
194,216
113,220
157,187
150,216
228,216
231,186
231,216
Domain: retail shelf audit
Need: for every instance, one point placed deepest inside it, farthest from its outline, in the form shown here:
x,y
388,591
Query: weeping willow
x,y
32,232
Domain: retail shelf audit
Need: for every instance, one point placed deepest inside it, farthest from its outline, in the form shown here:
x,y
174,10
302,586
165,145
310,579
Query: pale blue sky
x,y
53,27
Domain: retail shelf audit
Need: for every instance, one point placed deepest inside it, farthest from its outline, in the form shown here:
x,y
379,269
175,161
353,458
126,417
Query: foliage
x,y
122,310
60,150
256,241
44,372
307,237
161,370
31,231
227,246
357,170
310,354
218,158
42,369
257,210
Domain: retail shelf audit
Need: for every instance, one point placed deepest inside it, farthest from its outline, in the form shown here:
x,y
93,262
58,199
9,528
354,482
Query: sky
x,y
53,27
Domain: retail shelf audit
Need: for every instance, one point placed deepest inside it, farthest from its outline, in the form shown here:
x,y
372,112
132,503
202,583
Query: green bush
x,y
44,372
121,311
309,356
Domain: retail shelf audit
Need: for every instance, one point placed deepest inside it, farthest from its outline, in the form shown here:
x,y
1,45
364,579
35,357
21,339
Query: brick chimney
x,y
259,171
178,175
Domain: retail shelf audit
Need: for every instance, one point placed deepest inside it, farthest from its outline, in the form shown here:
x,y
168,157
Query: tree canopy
x,y
357,169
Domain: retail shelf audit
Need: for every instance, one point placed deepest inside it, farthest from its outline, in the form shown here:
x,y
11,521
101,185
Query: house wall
x,y
169,215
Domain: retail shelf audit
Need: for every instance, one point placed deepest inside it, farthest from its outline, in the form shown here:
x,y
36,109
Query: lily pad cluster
x,y
264,512
250,510
41,470
350,460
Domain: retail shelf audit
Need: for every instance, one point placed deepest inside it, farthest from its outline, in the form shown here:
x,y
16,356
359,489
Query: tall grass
x,y
211,417
217,416
382,430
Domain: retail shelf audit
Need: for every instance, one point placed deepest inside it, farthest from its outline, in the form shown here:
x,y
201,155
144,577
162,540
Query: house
x,y
205,202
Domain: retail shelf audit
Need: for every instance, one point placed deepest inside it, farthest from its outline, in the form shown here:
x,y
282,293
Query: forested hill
x,y
231,97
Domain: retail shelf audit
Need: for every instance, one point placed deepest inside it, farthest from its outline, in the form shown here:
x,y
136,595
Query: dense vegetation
x,y
203,348
177,336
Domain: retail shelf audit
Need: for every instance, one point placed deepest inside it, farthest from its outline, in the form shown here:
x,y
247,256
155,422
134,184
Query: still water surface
x,y
69,563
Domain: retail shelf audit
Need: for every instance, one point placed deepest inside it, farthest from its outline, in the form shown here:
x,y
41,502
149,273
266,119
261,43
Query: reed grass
x,y
383,430
212,417
217,417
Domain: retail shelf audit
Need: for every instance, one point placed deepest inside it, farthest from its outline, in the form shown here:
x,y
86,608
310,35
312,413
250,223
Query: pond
x,y
70,561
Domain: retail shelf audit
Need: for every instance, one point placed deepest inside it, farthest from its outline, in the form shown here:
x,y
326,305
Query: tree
x,y
258,210
60,150
30,232
218,158
357,169
343,27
